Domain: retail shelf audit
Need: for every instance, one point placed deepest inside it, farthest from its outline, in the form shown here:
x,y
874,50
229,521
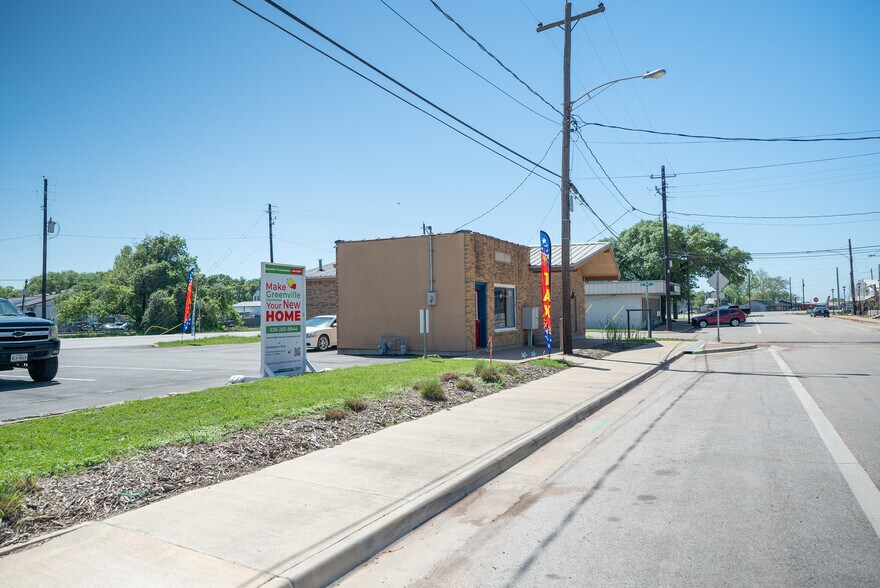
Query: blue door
x,y
480,320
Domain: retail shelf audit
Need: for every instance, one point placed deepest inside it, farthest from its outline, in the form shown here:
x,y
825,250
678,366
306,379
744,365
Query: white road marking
x,y
66,379
109,367
866,493
757,326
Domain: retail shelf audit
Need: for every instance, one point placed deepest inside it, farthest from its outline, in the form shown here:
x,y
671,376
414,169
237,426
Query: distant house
x,y
35,304
767,305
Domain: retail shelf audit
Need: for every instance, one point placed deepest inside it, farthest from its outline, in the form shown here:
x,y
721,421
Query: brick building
x,y
480,287
321,295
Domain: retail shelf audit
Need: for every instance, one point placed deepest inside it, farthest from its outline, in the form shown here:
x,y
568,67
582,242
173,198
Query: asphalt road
x,y
727,469
106,370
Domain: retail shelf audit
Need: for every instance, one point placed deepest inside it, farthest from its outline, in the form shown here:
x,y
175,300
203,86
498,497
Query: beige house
x,y
475,287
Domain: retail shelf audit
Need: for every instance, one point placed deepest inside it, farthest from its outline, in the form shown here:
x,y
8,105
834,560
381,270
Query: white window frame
x,y
512,308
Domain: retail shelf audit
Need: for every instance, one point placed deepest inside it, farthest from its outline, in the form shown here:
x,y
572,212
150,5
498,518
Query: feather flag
x,y
545,290
187,314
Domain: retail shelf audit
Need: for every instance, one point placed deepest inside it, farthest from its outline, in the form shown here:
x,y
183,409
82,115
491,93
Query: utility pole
x,y
565,184
790,301
837,275
803,290
749,289
666,304
271,245
852,284
23,294
45,238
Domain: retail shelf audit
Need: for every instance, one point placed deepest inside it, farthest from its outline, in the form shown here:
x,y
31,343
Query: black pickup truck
x,y
28,342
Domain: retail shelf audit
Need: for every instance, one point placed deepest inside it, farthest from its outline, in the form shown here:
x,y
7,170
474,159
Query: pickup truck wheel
x,y
734,322
702,324
43,370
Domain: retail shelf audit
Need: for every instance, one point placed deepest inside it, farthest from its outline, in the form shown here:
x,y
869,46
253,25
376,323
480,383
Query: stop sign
x,y
815,300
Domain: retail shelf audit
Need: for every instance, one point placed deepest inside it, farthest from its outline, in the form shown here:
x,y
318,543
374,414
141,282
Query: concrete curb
x,y
703,348
334,562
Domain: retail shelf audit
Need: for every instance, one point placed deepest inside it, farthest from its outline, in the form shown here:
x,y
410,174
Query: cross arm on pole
x,y
542,27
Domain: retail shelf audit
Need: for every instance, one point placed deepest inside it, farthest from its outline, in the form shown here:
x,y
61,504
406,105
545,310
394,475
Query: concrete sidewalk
x,y
308,521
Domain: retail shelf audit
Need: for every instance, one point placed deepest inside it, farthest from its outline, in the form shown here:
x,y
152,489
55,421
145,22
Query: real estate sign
x,y
282,320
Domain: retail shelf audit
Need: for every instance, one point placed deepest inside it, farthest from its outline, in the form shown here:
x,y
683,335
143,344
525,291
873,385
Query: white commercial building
x,y
613,302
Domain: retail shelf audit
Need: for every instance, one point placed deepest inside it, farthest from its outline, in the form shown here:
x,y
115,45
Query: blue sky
x,y
189,117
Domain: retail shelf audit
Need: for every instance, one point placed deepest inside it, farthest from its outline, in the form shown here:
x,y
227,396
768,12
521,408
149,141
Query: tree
x,y
639,252
9,292
767,287
156,264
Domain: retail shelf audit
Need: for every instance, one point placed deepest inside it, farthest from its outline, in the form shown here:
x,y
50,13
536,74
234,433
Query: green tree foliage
x,y
9,292
767,287
156,264
639,252
65,281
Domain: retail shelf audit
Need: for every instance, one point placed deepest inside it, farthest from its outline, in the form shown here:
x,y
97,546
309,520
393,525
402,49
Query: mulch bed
x,y
99,492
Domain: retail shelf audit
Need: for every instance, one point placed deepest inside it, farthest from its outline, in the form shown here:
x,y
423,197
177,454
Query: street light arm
x,y
654,75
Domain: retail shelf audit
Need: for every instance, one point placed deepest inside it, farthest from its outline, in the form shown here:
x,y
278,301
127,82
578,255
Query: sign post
x,y
718,281
282,320
650,319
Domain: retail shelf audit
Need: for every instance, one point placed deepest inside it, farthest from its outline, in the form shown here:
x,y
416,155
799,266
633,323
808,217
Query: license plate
x,y
18,357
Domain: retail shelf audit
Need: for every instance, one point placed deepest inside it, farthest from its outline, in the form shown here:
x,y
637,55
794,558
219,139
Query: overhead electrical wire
x,y
512,192
399,97
466,66
804,139
490,54
787,217
735,169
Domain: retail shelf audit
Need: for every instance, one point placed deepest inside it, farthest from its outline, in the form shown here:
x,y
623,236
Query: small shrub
x,y
432,390
11,503
448,376
490,375
509,369
480,368
417,385
465,384
613,335
356,405
334,414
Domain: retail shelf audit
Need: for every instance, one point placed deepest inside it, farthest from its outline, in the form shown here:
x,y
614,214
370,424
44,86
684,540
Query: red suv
x,y
727,315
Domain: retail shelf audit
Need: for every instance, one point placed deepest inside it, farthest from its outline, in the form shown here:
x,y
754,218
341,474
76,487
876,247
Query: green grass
x,y
218,340
551,363
70,442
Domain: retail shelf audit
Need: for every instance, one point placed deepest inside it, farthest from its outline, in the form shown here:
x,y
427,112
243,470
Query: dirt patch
x,y
120,485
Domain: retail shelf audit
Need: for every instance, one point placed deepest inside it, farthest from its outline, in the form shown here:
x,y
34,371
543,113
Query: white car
x,y
321,332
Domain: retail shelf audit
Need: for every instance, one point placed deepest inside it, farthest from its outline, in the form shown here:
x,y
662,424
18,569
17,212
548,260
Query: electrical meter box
x,y
531,318
432,298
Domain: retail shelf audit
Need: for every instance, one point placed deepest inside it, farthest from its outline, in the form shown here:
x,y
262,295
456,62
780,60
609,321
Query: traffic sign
x,y
815,300
646,284
718,281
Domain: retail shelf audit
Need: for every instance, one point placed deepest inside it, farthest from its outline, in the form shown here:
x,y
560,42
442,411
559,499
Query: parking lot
x,y
101,371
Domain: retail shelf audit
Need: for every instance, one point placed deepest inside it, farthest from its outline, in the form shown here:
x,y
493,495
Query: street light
x,y
651,75
566,185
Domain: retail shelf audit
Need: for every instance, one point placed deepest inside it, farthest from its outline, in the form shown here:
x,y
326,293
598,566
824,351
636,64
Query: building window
x,y
505,307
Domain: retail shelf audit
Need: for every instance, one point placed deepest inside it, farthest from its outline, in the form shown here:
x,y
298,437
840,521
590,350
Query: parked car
x,y
819,311
28,342
321,332
117,326
732,316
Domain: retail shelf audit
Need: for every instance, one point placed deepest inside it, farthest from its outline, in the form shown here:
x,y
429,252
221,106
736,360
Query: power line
x,y
464,65
503,200
734,169
490,54
394,81
599,163
804,139
787,217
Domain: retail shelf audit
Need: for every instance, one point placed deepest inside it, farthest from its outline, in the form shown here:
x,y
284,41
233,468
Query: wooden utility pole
x,y
667,306
839,297
565,184
852,284
45,238
271,245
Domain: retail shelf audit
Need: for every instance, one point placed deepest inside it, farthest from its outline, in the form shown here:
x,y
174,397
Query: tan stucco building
x,y
480,287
